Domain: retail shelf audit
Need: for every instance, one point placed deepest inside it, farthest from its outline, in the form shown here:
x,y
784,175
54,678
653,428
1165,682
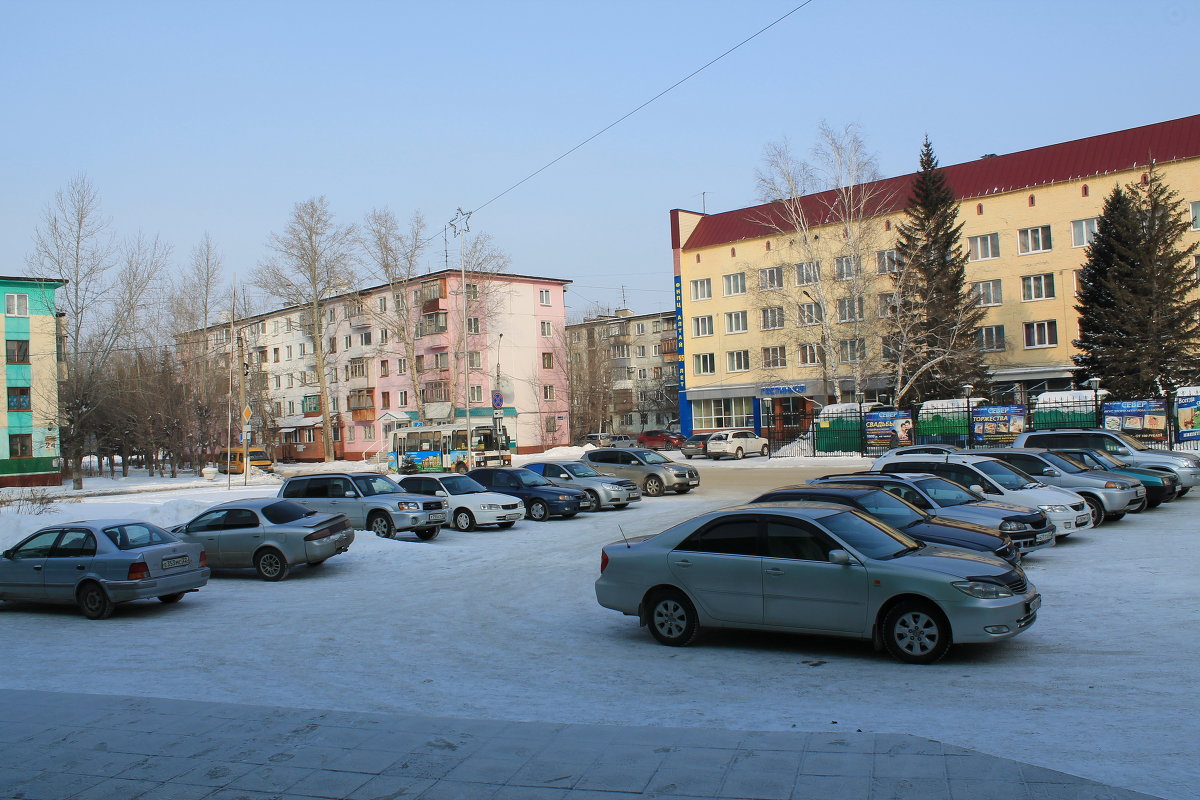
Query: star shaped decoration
x,y
461,223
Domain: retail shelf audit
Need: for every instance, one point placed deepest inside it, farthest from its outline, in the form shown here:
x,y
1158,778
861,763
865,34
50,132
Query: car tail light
x,y
321,534
203,558
137,571
603,561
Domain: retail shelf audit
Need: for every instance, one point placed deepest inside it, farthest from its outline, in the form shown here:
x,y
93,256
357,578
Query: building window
x,y
18,398
382,303
20,445
474,360
302,350
982,248
1196,216
383,368
472,291
770,278
436,392
811,313
401,366
737,360
639,328
850,309
332,344
991,338
547,329
808,355
736,322
887,305
703,364
987,293
358,368
1034,240
291,407
1083,231
702,289
846,267
289,352
441,361
656,350
547,392
473,325
17,351
772,318
727,412
885,262
475,394
1041,334
641,351
641,374
619,351
348,340
401,398
551,424
544,297
276,379
852,350
275,354
1037,287
16,305
774,357
808,273
547,360
702,326
735,283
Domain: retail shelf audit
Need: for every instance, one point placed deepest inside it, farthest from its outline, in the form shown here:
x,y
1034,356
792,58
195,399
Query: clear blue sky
x,y
219,116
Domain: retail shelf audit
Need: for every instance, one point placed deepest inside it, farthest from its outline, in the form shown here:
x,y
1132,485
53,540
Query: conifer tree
x,y
1140,316
933,346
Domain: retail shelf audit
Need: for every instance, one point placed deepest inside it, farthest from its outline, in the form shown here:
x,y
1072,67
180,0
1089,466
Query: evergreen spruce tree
x,y
1140,316
933,347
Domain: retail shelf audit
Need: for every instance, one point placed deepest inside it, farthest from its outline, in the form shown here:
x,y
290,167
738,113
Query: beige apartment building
x,y
753,291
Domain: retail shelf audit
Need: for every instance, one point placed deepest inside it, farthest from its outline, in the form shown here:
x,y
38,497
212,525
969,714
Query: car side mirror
x,y
441,493
350,495
567,477
1122,451
840,557
609,474
7,554
976,488
1050,473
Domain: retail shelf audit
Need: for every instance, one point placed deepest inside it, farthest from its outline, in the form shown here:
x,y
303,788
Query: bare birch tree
x,y
313,260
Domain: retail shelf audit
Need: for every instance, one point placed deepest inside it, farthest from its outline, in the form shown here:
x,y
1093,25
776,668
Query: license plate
x,y
177,561
1034,604
694,483
1068,525
1141,491
1044,537
511,516
436,517
1082,519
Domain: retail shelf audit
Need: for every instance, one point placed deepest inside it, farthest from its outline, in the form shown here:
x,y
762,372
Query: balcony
x,y
360,320
362,414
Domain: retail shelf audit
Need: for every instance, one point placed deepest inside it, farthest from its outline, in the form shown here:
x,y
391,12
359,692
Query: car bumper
x,y
496,517
1188,477
609,497
1162,494
560,507
1029,541
1070,522
1117,500
993,620
321,549
124,591
411,520
623,597
672,481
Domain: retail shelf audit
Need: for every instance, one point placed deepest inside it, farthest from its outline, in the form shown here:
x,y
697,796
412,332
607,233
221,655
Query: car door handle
x,y
80,567
37,568
773,571
683,562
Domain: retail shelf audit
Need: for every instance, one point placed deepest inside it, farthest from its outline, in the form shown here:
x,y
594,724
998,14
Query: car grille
x,y
691,473
433,505
1015,582
510,506
1077,506
627,484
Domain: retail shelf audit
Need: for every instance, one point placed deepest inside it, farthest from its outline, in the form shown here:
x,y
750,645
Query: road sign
x,y
497,399
418,424
497,413
247,413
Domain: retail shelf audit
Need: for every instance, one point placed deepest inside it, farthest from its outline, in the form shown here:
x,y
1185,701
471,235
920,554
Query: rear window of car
x,y
285,511
697,438
138,534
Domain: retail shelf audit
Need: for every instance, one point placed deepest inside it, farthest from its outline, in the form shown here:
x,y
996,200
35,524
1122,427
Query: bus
x,y
450,448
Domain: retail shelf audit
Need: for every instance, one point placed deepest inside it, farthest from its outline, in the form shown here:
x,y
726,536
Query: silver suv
x,y
371,502
1185,465
651,470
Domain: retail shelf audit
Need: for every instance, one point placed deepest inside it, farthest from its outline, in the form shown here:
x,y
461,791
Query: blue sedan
x,y
99,563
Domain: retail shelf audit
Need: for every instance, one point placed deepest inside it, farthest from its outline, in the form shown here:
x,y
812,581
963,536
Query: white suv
x,y
736,444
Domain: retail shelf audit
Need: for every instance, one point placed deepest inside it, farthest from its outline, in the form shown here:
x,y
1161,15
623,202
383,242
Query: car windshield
x,y
461,484
376,484
285,511
871,538
138,534
1065,463
581,470
890,509
947,493
1003,474
651,457
1097,459
258,455
528,478
1129,441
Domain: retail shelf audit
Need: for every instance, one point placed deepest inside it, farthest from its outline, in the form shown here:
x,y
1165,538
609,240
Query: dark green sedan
x,y
1161,486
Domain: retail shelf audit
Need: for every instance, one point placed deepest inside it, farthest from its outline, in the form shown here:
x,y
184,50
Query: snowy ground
x,y
504,624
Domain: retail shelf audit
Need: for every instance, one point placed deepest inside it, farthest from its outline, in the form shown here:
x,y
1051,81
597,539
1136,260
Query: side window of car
x,y
340,487
796,540
735,537
629,458
295,488
75,544
37,547
505,480
425,486
316,488
600,458
1025,462
210,521
241,518
1109,444
906,493
553,471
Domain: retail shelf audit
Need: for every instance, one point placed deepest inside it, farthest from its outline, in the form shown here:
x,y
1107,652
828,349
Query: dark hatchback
x,y
902,516
695,445
541,497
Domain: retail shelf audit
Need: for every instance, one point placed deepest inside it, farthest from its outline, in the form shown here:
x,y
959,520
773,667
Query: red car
x,y
660,440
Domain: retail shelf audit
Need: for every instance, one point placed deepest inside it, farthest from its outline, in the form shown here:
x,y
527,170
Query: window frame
x,y
1025,237
1049,326
1089,232
696,287
1034,287
735,318
734,283
996,296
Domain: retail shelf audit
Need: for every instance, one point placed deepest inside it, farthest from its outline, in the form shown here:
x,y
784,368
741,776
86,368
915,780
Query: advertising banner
x,y
1187,418
1146,419
997,424
888,428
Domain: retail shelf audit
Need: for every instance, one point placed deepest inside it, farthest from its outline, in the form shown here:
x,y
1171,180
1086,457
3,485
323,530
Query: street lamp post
x,y
1094,384
862,423
966,390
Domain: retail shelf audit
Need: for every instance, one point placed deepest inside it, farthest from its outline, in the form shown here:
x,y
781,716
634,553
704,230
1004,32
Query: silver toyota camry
x,y
814,568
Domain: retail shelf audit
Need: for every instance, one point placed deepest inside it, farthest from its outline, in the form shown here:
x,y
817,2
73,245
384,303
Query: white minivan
x,y
996,479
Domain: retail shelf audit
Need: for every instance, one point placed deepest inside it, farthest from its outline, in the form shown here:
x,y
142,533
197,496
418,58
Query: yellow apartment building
x,y
755,288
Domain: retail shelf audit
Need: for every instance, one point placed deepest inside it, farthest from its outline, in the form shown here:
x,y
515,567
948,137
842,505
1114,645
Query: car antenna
x,y
622,530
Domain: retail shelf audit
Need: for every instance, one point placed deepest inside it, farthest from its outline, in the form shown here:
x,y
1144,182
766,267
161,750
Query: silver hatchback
x,y
602,490
650,469
814,568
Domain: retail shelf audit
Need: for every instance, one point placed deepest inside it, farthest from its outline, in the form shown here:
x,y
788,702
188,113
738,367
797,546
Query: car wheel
x,y
271,564
538,511
94,602
463,520
1150,504
653,486
739,454
505,525
688,456
428,534
171,598
1184,491
672,618
381,525
766,451
916,633
1097,510
593,501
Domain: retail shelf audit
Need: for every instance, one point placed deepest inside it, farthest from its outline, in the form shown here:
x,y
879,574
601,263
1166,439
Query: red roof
x,y
1082,158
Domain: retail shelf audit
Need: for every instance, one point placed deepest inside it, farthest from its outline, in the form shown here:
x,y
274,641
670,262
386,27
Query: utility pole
x,y
245,410
462,224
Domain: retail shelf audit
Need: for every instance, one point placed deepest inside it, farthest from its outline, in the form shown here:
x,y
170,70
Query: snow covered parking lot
x,y
504,624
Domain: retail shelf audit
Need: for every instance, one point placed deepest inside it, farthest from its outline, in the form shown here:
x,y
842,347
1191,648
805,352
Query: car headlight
x,y
982,589
1012,525
489,506
563,497
1055,509
678,471
1117,485
612,487
409,505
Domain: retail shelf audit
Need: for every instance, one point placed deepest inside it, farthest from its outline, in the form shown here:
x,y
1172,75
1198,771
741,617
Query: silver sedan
x,y
267,533
814,568
99,563
602,490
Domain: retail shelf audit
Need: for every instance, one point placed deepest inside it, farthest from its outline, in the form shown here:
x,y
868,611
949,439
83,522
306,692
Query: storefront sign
x,y
888,428
1145,418
997,424
793,390
1187,418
